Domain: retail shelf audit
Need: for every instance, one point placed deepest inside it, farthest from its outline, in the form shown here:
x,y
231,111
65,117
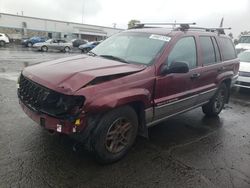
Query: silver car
x,y
54,44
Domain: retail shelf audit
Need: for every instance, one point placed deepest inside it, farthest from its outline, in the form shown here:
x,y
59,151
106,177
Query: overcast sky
x,y
106,12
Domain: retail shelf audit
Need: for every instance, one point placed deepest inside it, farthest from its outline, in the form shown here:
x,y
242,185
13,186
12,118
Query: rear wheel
x,y
66,49
115,134
44,48
216,104
2,43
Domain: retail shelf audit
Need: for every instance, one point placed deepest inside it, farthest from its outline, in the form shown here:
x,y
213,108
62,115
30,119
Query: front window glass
x,y
244,56
139,48
49,41
184,51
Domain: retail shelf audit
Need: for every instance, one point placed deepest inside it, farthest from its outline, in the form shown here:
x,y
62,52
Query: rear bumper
x,y
55,124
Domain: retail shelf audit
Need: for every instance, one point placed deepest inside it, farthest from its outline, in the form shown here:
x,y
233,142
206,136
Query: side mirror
x,y
175,67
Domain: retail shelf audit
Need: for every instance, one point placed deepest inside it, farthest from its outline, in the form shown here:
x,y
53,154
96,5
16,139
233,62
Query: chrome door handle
x,y
195,75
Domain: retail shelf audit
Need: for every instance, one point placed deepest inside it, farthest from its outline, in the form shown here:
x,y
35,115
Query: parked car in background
x,y
244,71
78,42
54,44
89,46
33,40
130,82
243,44
4,39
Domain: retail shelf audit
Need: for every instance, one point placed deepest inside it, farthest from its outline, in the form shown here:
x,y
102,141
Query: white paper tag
x,y
160,37
59,128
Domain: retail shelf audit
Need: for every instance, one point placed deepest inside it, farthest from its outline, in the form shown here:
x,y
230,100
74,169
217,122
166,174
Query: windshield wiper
x,y
114,58
92,53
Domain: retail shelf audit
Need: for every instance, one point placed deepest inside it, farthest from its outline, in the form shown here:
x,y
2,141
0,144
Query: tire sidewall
x,y
222,87
44,48
66,49
99,136
2,43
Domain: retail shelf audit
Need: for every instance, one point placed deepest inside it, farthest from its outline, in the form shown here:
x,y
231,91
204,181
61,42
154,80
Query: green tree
x,y
132,23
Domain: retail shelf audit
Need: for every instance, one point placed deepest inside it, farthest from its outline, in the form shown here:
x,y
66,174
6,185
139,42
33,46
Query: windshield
x,y
139,48
244,56
50,40
244,39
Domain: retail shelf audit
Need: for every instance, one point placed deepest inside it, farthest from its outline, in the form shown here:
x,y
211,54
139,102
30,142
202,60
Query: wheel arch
x,y
139,108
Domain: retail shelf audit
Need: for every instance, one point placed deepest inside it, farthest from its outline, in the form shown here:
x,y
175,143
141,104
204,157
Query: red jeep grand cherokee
x,y
131,81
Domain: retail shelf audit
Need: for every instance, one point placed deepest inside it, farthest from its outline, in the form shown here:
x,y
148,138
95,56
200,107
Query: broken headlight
x,y
60,105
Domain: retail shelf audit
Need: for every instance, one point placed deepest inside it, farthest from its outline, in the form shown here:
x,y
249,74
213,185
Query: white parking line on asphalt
x,y
9,76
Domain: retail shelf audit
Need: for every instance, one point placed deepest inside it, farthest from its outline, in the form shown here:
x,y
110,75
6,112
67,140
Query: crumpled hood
x,y
69,74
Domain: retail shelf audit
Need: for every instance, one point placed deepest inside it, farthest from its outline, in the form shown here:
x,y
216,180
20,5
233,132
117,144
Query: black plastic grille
x,y
243,83
245,74
45,100
31,93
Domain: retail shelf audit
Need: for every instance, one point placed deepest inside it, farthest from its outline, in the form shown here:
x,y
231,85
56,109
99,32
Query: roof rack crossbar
x,y
220,30
183,26
166,23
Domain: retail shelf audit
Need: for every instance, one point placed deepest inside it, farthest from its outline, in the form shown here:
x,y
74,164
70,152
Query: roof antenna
x,y
221,31
221,22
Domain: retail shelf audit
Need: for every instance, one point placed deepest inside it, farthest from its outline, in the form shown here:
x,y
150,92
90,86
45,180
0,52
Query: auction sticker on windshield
x,y
160,37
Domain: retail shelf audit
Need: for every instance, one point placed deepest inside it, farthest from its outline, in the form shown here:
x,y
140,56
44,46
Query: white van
x,y
243,43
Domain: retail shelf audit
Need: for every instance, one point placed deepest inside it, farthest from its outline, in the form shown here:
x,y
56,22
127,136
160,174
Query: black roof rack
x,y
181,27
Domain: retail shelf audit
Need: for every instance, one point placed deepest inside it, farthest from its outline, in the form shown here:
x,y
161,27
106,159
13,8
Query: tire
x,y
29,44
216,104
44,48
88,49
2,43
115,134
66,49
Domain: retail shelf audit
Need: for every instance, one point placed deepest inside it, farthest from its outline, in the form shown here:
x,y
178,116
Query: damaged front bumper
x,y
54,124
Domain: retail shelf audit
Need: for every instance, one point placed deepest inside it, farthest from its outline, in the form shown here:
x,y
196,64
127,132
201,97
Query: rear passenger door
x,y
211,66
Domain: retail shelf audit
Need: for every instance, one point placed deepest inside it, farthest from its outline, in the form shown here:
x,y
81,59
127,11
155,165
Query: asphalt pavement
x,y
189,150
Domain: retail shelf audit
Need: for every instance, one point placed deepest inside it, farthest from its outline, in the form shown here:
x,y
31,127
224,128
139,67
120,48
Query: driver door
x,y
173,92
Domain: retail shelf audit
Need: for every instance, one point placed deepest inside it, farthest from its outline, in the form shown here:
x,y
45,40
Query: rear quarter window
x,y
227,49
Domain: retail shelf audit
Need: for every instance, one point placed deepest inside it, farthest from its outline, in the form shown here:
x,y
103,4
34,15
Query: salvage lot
x,y
189,150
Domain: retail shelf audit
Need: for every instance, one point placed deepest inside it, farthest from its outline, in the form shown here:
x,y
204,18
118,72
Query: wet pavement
x,y
189,150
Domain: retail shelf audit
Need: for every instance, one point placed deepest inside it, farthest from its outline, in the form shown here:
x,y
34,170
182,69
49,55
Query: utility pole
x,y
82,11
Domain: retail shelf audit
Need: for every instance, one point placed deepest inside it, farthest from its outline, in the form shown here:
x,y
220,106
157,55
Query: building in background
x,y
18,27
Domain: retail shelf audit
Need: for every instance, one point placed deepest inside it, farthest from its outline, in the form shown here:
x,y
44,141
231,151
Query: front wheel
x,y
216,104
44,48
2,43
29,44
115,134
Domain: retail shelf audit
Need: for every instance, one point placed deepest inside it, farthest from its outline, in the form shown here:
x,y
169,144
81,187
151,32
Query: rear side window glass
x,y
184,51
208,52
217,51
227,49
